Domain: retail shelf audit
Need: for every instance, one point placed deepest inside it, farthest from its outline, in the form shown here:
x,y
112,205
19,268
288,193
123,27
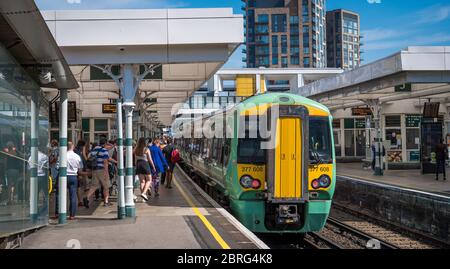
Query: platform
x,y
410,179
180,218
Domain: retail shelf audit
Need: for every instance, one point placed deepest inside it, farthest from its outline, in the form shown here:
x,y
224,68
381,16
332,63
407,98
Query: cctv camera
x,y
46,77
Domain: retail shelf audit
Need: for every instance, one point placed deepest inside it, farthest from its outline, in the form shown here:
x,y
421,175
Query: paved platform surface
x,y
180,218
411,179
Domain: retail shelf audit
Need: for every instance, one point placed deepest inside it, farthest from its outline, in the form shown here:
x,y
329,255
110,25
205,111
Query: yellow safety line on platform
x,y
205,221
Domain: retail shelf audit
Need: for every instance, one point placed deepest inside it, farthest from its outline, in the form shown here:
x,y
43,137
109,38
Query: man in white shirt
x,y
42,176
74,168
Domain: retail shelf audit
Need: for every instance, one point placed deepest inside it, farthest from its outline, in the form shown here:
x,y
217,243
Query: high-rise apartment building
x,y
285,33
343,39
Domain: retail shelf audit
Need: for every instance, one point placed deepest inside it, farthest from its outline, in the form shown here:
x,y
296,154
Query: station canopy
x,y
183,47
413,73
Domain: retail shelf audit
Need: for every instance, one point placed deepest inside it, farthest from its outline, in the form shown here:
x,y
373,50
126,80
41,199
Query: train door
x,y
288,159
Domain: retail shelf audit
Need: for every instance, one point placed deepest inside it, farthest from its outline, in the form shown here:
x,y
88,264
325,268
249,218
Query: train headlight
x,y
315,184
324,181
246,182
256,184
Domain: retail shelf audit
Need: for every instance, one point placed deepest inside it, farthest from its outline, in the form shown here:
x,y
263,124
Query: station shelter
x,y
71,75
385,101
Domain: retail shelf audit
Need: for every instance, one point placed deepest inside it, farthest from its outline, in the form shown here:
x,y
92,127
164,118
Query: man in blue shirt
x,y
160,163
100,174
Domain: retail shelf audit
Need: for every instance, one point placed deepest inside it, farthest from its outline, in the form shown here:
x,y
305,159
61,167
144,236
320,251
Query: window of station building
x,y
393,133
337,137
279,23
101,129
413,137
355,137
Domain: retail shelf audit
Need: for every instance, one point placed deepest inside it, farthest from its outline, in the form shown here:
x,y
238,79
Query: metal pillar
x,y
128,82
129,188
296,82
34,157
121,213
62,205
129,92
376,108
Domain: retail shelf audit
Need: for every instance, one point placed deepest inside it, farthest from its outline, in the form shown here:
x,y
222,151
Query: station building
x,y
71,75
405,94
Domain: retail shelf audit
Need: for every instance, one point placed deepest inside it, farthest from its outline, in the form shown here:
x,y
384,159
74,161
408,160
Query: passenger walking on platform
x,y
160,162
81,151
441,157
168,152
74,170
143,161
100,173
374,154
162,146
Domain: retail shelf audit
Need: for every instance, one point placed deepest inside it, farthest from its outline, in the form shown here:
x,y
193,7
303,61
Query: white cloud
x,y
380,34
408,41
433,14
108,4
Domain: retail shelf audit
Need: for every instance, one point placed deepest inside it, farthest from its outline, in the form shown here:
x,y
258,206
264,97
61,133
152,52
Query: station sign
x,y
360,123
71,113
362,111
413,120
431,110
109,108
407,87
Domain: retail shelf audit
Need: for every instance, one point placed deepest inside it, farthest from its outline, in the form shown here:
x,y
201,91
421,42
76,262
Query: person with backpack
x,y
172,156
98,162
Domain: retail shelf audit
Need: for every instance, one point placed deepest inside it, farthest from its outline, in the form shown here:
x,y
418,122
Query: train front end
x,y
284,182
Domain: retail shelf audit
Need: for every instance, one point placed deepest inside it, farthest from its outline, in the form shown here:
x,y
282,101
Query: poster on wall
x,y
394,156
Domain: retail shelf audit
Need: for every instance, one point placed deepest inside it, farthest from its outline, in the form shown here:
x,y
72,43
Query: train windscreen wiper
x,y
316,157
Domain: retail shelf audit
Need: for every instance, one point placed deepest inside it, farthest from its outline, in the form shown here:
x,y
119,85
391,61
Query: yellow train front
x,y
275,181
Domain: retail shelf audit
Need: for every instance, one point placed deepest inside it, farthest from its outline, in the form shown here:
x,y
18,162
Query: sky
x,y
387,25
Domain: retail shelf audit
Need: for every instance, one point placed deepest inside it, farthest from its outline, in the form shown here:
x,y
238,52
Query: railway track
x,y
345,230
393,234
366,240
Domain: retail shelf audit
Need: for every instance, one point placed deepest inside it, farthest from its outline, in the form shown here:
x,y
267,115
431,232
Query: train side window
x,y
213,149
226,151
219,148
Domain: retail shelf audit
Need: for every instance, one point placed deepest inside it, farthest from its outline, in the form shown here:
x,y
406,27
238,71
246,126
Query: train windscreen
x,y
320,150
249,151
